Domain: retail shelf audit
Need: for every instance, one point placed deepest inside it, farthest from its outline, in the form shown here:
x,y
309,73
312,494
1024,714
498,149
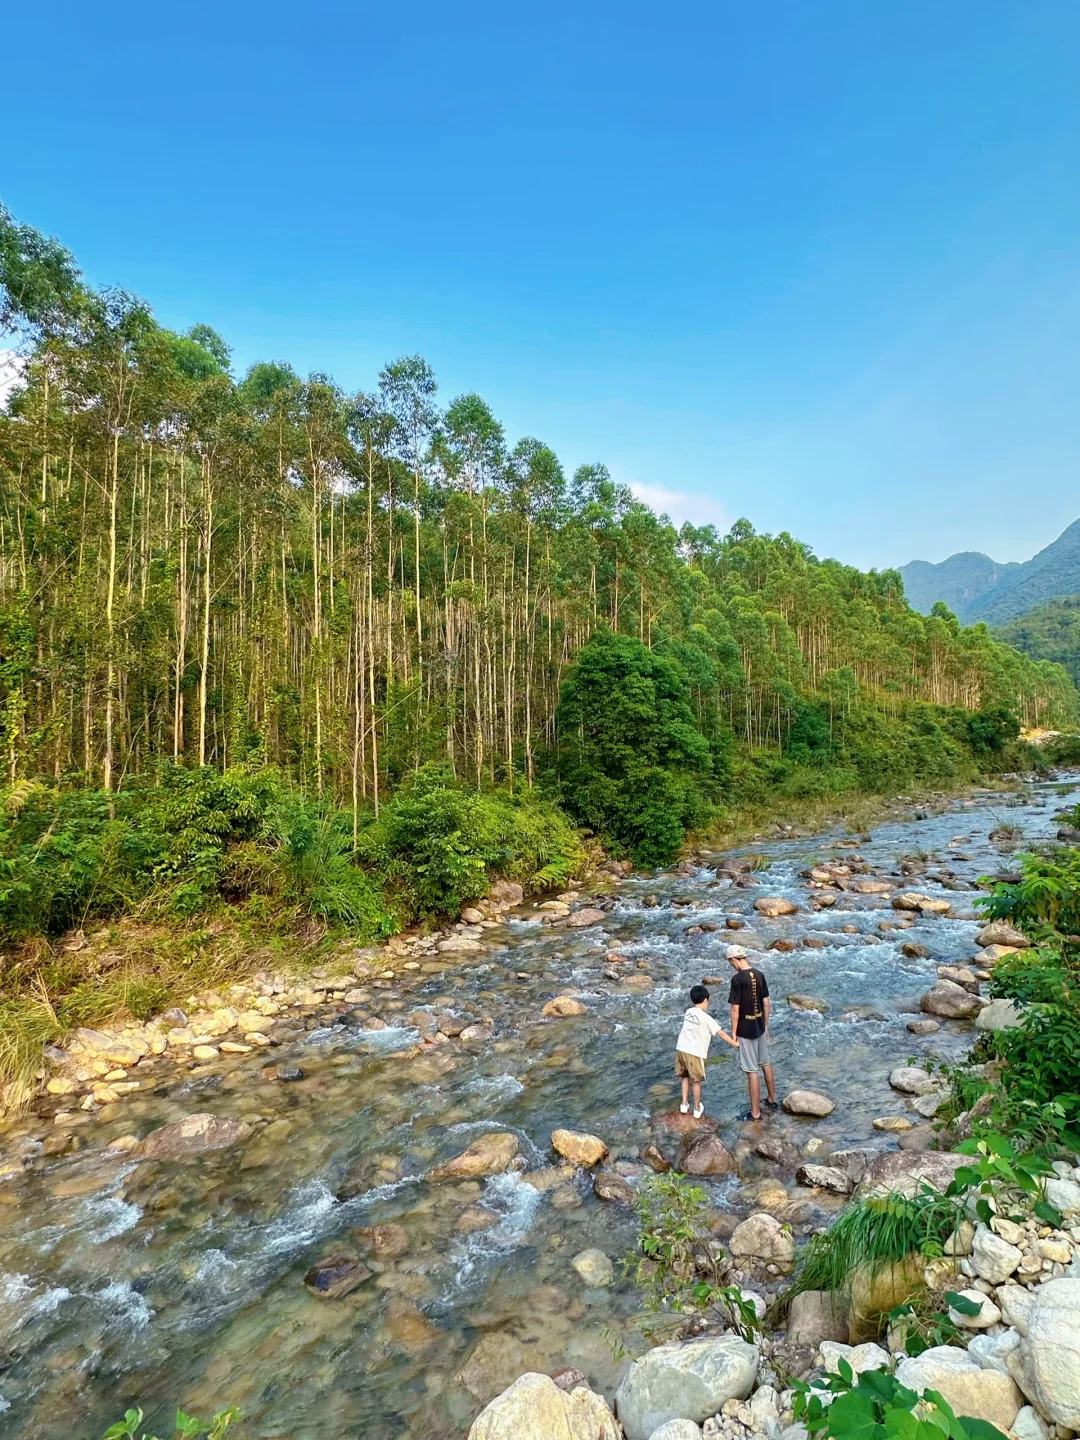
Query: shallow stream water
x,y
154,1284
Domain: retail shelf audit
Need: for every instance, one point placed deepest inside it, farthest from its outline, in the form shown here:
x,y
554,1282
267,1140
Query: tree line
x,y
199,567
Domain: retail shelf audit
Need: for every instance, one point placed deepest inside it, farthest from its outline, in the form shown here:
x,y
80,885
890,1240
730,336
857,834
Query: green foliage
x,y
1002,1174
187,1427
1046,901
922,1328
877,1232
633,764
1050,632
875,1406
991,729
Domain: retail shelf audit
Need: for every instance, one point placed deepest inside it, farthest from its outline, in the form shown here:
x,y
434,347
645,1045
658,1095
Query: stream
x,y
154,1283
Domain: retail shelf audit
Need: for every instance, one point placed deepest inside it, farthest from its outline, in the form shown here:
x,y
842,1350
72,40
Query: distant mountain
x,y
1050,632
975,587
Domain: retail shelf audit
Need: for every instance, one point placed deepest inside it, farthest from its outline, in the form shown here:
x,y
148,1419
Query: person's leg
x,y
753,1084
697,1094
770,1083
685,1091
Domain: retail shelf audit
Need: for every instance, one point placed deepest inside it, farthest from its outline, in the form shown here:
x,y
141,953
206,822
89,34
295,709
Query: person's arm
x,y
735,1020
717,1029
767,1007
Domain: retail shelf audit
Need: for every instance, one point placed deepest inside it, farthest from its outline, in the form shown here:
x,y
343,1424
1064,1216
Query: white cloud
x,y
681,505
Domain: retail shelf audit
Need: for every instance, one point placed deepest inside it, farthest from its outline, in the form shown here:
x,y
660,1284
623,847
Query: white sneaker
x,y
699,1112
684,1109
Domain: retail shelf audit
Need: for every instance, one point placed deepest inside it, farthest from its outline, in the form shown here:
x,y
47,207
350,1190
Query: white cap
x,y
736,952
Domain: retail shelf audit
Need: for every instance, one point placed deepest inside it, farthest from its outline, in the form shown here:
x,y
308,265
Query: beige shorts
x,y
689,1067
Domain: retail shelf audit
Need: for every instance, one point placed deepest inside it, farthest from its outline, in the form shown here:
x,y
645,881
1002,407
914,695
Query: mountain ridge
x,y
975,587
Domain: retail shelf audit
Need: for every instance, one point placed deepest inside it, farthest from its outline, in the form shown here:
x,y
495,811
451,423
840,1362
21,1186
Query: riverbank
x,y
558,1021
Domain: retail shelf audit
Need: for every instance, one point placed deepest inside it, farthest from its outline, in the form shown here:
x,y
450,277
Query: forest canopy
x,y
211,569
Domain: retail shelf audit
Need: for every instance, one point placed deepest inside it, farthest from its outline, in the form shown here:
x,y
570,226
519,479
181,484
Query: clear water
x,y
182,1283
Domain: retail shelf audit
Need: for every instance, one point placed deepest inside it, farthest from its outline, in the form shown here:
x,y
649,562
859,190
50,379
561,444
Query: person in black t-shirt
x,y
750,1010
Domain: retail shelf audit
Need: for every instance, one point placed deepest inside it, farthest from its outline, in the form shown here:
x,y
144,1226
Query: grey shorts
x,y
753,1054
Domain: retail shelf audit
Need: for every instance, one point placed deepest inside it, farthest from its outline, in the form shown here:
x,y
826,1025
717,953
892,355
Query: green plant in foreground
x,y
998,1173
187,1427
875,1406
923,1329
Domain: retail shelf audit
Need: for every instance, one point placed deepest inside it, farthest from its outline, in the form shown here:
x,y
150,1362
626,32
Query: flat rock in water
x,y
808,1002
487,1155
808,1102
772,906
594,1267
900,1172
951,1001
581,919
781,1151
194,1135
565,1005
579,1147
336,1276
385,1242
924,1027
608,1186
708,1155
825,1177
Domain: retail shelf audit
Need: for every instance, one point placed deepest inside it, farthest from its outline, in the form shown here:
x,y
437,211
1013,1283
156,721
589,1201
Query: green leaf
x,y
852,1416
1047,1213
961,1304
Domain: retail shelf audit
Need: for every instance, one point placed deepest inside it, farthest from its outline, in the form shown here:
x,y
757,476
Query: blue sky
x,y
817,264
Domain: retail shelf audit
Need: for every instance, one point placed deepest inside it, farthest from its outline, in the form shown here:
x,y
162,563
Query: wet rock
x,y
952,1002
707,1154
733,922
336,1276
1000,932
384,1242
582,919
579,1147
487,1155
781,1151
286,1074
999,1015
494,1363
194,1135
459,945
868,886
594,1267
534,1407
475,1220
966,1387
825,1177
472,1034
450,1025
808,1002
808,1102
408,1326
913,950
772,906
569,1379
761,1237
565,1005
910,1080
608,1186
655,1160
691,1381
898,1172
784,945
912,900
924,1027
817,1315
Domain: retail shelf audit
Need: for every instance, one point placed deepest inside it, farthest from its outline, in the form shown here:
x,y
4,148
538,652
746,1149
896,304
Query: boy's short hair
x,y
697,994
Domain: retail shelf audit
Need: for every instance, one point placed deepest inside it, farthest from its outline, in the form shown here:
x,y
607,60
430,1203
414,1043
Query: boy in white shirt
x,y
692,1048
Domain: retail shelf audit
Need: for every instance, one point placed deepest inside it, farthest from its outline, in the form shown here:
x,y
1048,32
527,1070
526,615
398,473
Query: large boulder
x,y
952,1001
873,1293
1051,1351
582,919
194,1135
677,1430
826,1177
685,1382
495,1362
1000,932
773,905
761,1237
579,1147
924,904
816,1315
998,1015
808,1102
1063,1194
535,1408
910,1080
708,1155
505,894
904,1172
973,1393
488,1155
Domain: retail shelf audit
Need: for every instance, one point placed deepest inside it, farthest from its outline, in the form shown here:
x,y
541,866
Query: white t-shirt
x,y
698,1028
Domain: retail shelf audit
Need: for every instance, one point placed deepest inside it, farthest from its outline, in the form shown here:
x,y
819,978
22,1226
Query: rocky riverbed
x,y
365,1203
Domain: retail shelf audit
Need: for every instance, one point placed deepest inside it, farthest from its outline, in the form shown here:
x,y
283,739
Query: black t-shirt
x,y
748,990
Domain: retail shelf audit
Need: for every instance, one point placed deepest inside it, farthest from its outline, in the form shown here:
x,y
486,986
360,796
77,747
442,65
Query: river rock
x,y
708,1155
194,1135
808,1002
773,905
1015,1302
1051,1351
535,1408
910,1080
867,885
992,1352
677,1430
459,945
808,1102
959,975
594,1267
1000,932
998,1015
825,1177
924,1027
581,919
993,1258
951,1001
656,1162
691,1381
336,1276
385,1242
506,894
989,955
564,1005
608,1186
971,1391
892,1123
816,1315
579,1147
1063,1194
861,1358
495,1362
988,1314
761,1237
1029,1425
929,1104
780,1151
473,1033
487,1155
913,950
901,1172
874,1293
912,900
